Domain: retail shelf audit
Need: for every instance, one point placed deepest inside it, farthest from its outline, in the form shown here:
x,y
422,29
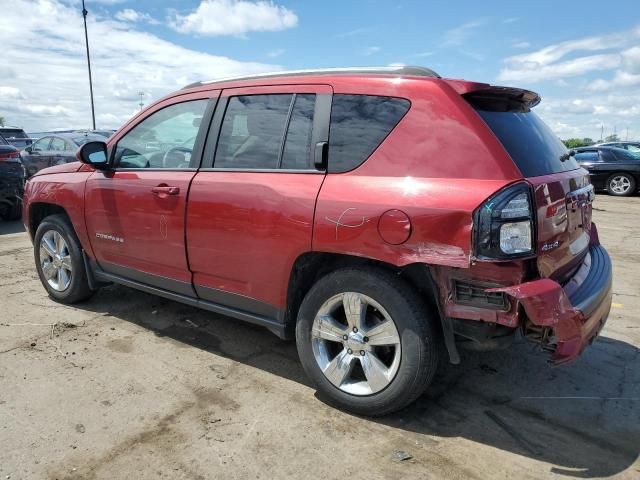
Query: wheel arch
x,y
38,211
309,267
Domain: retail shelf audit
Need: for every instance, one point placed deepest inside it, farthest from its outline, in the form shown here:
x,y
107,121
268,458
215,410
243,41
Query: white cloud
x,y
234,17
370,51
460,34
54,93
547,63
521,45
627,76
510,19
131,15
532,72
10,93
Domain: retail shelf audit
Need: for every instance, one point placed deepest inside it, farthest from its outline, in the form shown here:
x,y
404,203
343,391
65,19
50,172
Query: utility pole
x,y
626,137
141,93
86,40
602,132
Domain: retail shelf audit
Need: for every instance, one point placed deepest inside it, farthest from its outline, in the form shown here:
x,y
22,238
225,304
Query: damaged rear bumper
x,y
565,319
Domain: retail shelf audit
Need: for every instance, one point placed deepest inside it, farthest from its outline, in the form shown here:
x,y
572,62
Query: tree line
x,y
585,142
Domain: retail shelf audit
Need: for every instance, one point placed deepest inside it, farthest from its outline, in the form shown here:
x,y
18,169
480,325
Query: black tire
x,y
78,288
617,177
414,324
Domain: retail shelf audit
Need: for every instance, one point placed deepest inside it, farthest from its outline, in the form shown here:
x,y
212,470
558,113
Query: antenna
x,y
141,93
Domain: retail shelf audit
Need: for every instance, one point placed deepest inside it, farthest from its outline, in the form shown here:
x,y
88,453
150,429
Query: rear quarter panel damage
x,y
440,215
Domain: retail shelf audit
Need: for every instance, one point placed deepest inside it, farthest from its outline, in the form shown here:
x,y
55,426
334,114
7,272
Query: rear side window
x,y
587,156
252,131
57,144
267,132
625,155
297,147
534,148
359,124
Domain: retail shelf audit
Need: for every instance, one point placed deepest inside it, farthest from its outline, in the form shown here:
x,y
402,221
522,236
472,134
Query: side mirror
x,y
28,149
94,154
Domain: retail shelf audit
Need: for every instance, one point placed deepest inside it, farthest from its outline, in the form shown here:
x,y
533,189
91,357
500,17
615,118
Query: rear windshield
x,y
532,145
13,133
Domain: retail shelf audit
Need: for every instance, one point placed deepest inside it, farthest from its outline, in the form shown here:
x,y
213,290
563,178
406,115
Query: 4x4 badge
x,y
550,246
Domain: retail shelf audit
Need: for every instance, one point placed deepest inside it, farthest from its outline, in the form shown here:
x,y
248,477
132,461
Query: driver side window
x,y
41,145
165,139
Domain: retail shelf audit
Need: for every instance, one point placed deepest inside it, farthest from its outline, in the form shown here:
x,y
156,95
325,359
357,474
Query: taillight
x,y
504,225
10,155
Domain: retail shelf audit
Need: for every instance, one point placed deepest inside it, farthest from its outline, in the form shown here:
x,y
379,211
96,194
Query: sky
x,y
582,57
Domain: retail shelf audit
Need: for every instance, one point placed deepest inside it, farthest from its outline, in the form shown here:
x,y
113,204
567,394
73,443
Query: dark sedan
x,y
11,181
54,150
615,170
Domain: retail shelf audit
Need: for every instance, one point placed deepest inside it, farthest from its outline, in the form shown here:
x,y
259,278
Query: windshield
x,y
532,145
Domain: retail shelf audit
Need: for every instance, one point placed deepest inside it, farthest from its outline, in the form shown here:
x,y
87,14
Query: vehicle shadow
x,y
584,418
14,226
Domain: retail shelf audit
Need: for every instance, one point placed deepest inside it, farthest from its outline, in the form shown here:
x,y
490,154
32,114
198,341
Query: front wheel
x,y
621,184
366,339
59,261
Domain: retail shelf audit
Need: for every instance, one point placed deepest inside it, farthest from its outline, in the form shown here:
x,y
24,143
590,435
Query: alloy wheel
x,y
55,260
620,184
356,344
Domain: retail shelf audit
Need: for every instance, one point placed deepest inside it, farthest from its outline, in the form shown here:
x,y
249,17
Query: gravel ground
x,y
128,385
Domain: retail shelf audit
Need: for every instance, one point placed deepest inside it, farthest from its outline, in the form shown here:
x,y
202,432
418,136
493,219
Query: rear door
x,y
250,212
595,163
135,213
562,190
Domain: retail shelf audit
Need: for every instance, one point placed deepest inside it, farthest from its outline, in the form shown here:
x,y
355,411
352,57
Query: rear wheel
x,y
366,339
621,184
59,261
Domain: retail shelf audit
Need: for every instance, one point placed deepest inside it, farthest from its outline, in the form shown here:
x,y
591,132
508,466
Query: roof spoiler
x,y
495,98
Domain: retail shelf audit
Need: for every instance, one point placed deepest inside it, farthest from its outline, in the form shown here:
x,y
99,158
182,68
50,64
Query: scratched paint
x,y
339,223
163,227
438,253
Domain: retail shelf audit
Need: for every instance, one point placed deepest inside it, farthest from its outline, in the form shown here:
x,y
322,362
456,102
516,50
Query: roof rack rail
x,y
404,70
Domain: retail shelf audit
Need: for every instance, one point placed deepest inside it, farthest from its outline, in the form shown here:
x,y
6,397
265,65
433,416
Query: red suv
x,y
372,214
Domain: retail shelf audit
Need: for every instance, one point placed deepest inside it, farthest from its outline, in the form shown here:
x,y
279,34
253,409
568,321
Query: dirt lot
x,y
134,386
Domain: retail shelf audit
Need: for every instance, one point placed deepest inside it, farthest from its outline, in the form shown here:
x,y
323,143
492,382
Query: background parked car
x,y
633,147
11,181
104,133
54,150
613,169
16,136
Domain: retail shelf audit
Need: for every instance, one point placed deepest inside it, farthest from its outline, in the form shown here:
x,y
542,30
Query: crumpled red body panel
x,y
547,305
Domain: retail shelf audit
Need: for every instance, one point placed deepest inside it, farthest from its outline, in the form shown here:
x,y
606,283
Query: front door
x,y
37,156
251,209
135,212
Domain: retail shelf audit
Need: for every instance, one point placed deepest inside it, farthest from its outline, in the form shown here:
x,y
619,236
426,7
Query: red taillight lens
x,y
9,156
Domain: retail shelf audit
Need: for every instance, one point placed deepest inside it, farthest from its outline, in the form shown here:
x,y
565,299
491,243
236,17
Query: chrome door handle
x,y
165,190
